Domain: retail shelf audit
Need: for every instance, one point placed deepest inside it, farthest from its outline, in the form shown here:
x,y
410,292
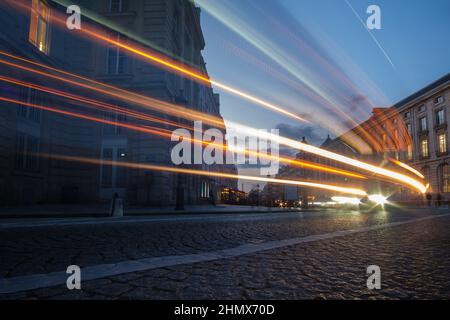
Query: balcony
x,y
440,127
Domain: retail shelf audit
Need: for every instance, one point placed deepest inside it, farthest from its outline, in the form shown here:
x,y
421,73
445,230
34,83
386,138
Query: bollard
x,y
116,206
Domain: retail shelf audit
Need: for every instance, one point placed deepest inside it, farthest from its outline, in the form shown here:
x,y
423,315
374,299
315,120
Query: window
x,y
29,96
423,124
407,115
107,168
438,100
119,6
113,129
116,61
409,153
39,26
421,108
442,143
204,189
409,128
113,176
440,117
424,148
27,147
445,177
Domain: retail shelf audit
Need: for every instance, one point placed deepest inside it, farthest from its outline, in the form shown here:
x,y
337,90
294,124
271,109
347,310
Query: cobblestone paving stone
x,y
414,261
42,250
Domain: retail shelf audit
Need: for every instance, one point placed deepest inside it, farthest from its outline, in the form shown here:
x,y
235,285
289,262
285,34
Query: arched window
x,y
444,177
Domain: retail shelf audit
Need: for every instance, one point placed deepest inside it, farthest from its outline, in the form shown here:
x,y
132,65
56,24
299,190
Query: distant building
x,y
171,25
413,131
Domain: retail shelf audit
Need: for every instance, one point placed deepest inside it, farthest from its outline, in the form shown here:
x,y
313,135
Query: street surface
x,y
309,255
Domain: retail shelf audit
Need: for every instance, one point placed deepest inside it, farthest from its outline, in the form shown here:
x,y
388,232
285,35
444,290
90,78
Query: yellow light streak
x,y
334,156
134,165
405,166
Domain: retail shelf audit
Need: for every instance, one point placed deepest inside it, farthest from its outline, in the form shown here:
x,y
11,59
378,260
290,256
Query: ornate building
x,y
413,131
172,27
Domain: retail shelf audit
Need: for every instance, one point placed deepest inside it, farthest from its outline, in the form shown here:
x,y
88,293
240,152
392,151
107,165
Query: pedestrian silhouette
x,y
438,200
429,197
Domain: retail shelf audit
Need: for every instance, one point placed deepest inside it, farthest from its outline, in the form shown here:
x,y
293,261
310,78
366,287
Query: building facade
x,y
170,26
426,116
413,131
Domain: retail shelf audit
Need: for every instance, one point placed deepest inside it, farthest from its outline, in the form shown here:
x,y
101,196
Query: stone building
x,y
413,131
172,27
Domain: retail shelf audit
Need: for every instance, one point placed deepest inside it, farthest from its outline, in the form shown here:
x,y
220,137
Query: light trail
x,y
146,129
285,141
334,156
190,114
405,166
154,104
168,134
96,103
164,61
133,165
195,75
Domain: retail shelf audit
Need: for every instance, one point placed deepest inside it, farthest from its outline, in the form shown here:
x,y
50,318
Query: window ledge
x,y
120,14
440,127
119,76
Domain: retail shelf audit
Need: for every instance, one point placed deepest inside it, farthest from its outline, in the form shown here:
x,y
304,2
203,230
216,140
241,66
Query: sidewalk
x,y
102,210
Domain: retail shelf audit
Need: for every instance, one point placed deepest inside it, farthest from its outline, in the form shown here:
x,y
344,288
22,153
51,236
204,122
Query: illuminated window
x,y
424,148
39,26
445,177
442,142
410,152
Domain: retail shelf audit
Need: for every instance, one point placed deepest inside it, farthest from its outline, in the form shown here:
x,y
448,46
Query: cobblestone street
x,y
311,255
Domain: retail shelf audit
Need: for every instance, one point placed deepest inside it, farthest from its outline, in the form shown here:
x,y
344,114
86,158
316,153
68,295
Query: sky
x,y
316,58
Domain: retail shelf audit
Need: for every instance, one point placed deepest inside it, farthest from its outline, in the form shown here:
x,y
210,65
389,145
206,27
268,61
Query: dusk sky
x,y
284,51
412,36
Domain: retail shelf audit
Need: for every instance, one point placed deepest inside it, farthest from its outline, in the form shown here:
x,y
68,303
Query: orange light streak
x,y
405,166
169,64
147,102
337,157
289,142
89,101
158,59
133,165
168,134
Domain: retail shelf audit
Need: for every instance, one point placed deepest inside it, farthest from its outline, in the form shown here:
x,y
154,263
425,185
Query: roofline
x,y
423,91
